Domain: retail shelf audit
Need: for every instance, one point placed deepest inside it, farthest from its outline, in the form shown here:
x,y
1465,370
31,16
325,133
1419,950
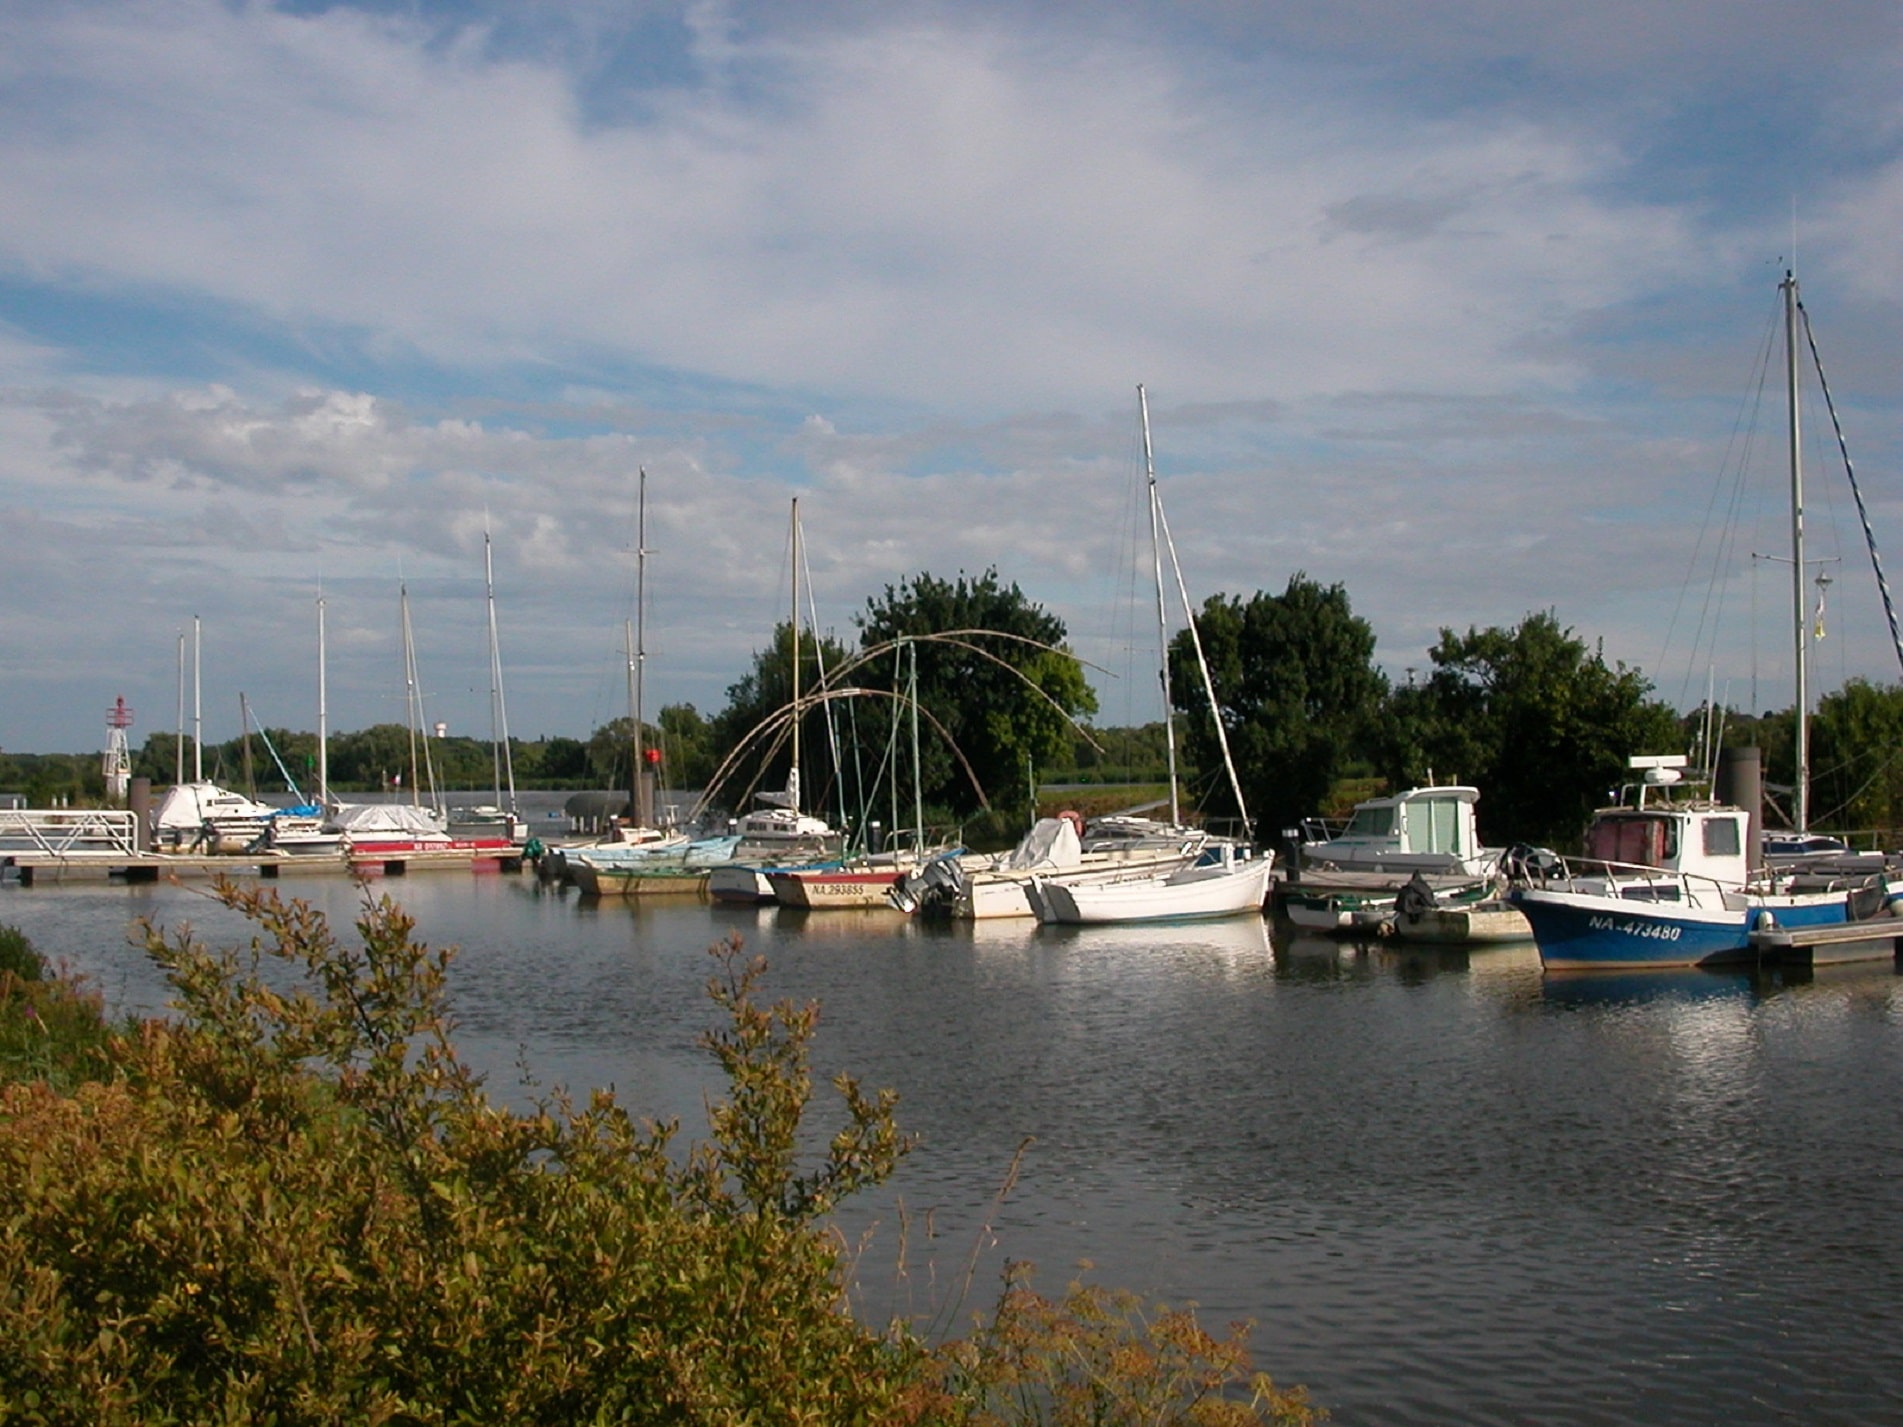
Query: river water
x,y
1443,1187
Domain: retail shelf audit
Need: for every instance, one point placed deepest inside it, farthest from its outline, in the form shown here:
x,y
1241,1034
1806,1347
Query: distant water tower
x,y
118,761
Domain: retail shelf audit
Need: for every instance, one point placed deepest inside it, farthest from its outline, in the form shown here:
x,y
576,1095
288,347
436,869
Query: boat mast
x,y
1162,621
643,788
198,716
793,773
1162,523
414,694
244,727
323,716
1800,797
501,756
178,743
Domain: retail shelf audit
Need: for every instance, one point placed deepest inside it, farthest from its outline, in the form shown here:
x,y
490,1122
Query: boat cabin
x,y
1704,840
1423,829
1696,837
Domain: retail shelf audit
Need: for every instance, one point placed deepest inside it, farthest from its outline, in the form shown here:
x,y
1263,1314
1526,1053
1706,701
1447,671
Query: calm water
x,y
1443,1187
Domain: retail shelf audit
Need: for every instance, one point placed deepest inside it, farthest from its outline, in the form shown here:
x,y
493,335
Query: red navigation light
x,y
119,716
654,755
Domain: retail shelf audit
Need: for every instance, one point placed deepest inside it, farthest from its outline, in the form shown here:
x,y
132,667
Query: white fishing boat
x,y
1224,881
1679,882
1431,829
1226,878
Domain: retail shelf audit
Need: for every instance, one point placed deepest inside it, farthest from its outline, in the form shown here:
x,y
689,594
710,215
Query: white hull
x,y
1217,889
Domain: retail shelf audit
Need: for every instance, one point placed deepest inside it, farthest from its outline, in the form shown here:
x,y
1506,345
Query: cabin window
x,y
1443,828
1371,822
1721,837
1635,841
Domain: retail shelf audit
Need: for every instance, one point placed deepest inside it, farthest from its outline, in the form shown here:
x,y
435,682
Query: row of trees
x,y
1533,715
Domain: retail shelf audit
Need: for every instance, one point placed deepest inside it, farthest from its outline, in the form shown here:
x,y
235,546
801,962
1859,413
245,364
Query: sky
x,y
1471,308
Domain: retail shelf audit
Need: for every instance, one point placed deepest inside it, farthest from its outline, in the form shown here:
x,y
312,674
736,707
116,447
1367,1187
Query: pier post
x,y
139,800
1741,783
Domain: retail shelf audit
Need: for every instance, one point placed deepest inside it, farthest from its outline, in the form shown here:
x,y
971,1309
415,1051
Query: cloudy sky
x,y
1464,306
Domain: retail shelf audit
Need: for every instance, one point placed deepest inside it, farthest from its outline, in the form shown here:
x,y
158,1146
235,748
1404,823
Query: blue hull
x,y
1580,933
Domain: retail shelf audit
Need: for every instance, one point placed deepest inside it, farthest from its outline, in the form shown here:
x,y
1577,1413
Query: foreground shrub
x,y
295,1204
52,1028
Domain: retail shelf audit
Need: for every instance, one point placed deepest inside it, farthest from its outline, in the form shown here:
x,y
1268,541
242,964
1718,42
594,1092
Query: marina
x,y
1443,1185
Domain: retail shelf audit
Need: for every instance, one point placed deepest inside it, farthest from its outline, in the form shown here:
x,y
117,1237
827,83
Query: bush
x,y
298,1206
51,1028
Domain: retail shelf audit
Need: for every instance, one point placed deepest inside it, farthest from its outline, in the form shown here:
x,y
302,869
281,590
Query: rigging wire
x,y
1863,515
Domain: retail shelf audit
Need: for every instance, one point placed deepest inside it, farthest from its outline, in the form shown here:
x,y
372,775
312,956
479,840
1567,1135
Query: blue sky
x,y
1458,305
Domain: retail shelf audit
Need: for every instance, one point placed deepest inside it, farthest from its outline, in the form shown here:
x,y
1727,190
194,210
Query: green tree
x,y
995,683
1857,759
752,734
1538,721
687,741
1298,692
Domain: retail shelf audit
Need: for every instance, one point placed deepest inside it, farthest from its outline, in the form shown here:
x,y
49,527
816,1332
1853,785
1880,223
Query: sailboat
x,y
639,859
373,832
778,819
1679,881
1226,878
502,817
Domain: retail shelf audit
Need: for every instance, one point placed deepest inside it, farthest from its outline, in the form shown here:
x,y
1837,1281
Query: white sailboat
x,y
1226,878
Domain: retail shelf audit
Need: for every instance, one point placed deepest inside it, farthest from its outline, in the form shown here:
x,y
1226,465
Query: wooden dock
x,y
33,868
1878,939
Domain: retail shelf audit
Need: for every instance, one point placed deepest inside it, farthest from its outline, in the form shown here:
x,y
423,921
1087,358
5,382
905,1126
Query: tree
x,y
1298,691
1538,721
1857,758
993,676
754,732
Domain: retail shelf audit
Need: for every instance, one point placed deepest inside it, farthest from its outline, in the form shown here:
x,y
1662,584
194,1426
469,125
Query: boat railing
x,y
1630,881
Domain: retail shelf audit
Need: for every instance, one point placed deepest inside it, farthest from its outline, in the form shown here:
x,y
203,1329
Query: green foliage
x,y
753,734
52,1029
1857,759
1534,718
18,959
297,1206
994,677
294,1204
72,779
1296,683
1097,1357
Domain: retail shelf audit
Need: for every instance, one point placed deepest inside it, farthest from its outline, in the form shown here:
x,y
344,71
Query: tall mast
x,y
1162,620
793,775
178,744
501,756
244,728
1800,798
198,716
323,715
643,779
425,776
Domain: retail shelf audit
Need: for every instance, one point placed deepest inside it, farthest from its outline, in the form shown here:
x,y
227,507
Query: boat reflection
x,y
1598,989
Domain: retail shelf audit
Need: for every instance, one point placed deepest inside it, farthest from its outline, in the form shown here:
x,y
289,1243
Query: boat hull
x,y
1464,926
835,889
614,881
1190,894
1578,931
